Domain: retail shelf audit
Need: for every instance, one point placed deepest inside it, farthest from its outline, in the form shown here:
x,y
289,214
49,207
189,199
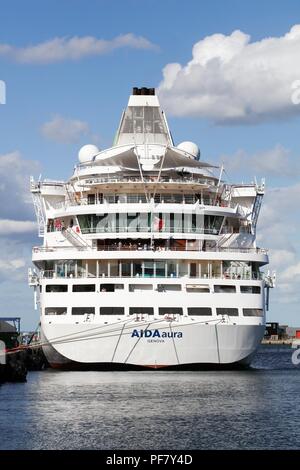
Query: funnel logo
x,y
2,92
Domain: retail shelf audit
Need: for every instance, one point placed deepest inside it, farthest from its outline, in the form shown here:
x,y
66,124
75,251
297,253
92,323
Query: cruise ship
x,y
149,258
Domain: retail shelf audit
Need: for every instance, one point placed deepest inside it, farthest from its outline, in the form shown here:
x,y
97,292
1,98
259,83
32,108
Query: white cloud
x,y
278,229
63,130
74,48
292,273
15,171
276,161
231,80
8,227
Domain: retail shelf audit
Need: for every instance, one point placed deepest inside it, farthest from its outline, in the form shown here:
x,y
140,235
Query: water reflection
x,y
251,409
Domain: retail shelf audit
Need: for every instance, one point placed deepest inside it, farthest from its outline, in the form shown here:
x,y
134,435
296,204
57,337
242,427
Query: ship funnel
x,y
143,122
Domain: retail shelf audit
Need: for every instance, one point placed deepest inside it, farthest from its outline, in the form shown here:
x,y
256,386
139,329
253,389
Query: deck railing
x,y
51,274
41,249
142,200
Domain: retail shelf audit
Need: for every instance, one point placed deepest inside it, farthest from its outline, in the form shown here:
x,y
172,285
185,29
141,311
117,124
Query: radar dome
x,y
87,152
191,148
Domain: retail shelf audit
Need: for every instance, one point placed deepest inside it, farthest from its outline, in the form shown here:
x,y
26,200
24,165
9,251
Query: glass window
x,y
199,311
83,310
149,268
141,310
103,268
84,288
114,268
139,287
56,311
250,289
253,312
137,268
168,287
223,289
199,288
108,287
193,270
56,288
111,310
126,269
160,268
170,311
232,312
171,269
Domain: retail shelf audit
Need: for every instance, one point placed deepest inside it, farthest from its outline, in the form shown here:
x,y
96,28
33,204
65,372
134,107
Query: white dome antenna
x,y
87,153
191,148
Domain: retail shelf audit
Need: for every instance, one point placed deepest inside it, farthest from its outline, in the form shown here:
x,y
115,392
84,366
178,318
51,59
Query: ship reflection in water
x,y
251,409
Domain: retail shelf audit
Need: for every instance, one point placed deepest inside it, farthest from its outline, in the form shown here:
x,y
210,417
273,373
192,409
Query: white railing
x,y
47,249
51,274
132,199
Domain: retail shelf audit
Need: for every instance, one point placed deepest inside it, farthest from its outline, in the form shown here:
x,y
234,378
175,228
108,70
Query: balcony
x,y
52,274
147,247
104,199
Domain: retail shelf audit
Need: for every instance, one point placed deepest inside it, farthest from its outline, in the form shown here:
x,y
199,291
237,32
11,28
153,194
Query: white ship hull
x,y
118,346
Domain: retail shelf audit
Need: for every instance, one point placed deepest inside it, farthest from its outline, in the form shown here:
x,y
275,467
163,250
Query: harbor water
x,y
252,409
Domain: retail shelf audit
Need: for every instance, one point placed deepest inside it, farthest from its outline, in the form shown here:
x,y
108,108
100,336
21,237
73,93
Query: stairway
x,y
74,238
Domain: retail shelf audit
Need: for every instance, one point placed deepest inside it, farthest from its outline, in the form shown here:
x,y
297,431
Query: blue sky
x,y
59,99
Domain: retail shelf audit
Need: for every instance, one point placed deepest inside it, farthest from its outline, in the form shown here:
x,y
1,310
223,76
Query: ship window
x,y
111,310
196,288
57,288
141,310
139,287
253,312
170,311
83,310
84,288
222,289
168,287
111,287
250,289
56,311
232,312
199,311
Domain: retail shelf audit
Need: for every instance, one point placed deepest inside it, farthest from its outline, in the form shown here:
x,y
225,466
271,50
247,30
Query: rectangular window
x,y
193,270
111,287
199,311
232,312
111,310
141,310
222,289
137,269
57,288
84,288
197,288
168,287
83,310
170,311
160,269
250,289
253,312
56,311
126,269
139,287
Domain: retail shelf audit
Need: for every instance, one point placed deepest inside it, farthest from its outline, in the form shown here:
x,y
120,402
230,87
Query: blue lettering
x,y
156,333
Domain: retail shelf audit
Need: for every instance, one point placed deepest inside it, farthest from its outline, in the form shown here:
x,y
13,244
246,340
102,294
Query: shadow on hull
x,y
107,366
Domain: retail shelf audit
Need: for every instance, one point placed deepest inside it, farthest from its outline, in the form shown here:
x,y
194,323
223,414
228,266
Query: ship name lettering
x,y
155,334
